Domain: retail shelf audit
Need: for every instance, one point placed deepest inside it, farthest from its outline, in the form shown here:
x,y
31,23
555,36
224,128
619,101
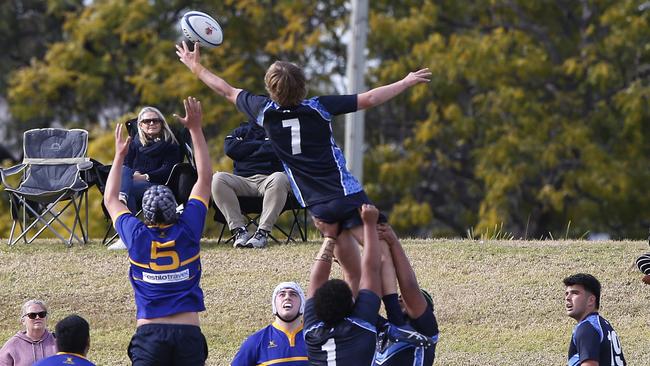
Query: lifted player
x,y
301,133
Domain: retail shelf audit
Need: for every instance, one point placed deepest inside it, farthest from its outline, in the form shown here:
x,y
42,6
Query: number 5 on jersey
x,y
294,123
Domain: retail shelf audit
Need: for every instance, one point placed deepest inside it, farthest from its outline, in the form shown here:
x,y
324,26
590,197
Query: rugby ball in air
x,y
202,28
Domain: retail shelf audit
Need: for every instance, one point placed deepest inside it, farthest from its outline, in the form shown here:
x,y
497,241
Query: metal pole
x,y
354,122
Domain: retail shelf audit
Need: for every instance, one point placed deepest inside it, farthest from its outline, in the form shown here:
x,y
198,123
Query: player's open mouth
x,y
287,305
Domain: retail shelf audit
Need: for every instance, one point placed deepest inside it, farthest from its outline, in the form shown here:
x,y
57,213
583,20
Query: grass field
x,y
497,302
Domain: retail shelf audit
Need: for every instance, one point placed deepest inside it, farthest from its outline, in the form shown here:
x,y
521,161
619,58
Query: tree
x,y
533,120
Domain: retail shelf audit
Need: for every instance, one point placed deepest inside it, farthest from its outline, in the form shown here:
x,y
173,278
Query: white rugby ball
x,y
202,28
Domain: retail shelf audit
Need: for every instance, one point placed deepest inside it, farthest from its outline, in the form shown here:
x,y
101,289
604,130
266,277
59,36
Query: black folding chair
x,y
251,208
51,184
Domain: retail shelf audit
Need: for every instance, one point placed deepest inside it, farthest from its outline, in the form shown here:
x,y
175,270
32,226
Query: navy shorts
x,y
344,210
168,345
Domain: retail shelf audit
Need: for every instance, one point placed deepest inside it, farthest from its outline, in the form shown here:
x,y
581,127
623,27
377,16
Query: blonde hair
x,y
167,133
286,83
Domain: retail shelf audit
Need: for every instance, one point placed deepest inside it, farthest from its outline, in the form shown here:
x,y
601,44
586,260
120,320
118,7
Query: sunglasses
x,y
151,121
40,314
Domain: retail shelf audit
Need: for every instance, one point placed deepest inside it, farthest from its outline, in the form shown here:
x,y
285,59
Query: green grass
x,y
498,302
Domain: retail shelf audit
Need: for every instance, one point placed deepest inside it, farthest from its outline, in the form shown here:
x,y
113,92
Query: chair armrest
x,y
6,172
85,165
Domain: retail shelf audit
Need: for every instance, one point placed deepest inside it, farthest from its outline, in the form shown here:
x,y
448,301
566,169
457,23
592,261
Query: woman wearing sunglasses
x,y
150,159
33,343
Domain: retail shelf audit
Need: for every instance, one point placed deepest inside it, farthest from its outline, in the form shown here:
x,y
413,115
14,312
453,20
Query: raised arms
x,y
192,59
384,93
192,121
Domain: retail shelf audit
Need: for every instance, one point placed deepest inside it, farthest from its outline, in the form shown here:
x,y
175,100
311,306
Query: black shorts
x,y
168,345
344,210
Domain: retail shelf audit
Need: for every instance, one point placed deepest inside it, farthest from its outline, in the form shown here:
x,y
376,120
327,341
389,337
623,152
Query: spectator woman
x,y
33,343
150,158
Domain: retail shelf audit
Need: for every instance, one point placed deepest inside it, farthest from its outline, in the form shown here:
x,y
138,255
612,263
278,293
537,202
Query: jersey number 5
x,y
294,123
171,254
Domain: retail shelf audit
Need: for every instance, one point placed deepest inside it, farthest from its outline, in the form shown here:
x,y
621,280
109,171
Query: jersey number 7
x,y
294,124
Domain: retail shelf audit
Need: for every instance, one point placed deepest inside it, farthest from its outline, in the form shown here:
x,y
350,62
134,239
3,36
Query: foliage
x,y
534,116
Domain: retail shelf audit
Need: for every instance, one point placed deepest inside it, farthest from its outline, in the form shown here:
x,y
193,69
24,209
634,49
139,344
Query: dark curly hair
x,y
589,282
72,334
333,301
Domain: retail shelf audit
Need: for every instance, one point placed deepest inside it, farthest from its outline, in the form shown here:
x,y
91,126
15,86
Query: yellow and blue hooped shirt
x,y
165,261
273,345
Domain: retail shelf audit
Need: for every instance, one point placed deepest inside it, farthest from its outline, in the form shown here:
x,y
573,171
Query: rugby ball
x,y
202,28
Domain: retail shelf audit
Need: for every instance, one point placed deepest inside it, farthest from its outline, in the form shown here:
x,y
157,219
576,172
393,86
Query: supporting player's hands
x,y
193,113
327,229
191,59
369,214
417,77
387,234
121,144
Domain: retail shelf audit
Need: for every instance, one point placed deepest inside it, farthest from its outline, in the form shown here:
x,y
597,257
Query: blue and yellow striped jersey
x,y
165,262
273,345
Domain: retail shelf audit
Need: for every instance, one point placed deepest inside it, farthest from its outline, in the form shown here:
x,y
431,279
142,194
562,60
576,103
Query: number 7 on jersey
x,y
294,123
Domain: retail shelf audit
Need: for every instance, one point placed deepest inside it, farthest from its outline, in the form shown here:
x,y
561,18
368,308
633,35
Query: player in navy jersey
x,y
281,343
164,252
593,341
301,133
409,335
339,328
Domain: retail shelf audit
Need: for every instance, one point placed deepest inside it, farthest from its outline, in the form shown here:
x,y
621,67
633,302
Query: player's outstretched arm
x,y
192,121
113,205
384,93
371,259
411,295
322,267
192,59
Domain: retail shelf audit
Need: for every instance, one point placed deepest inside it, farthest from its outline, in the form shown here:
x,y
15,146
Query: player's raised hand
x,y
369,214
121,144
191,59
417,77
193,113
387,234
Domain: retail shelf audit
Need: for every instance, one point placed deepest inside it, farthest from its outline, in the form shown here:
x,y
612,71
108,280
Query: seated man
x,y
72,341
340,329
257,173
281,343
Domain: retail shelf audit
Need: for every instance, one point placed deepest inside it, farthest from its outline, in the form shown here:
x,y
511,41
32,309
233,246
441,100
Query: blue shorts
x,y
168,345
344,210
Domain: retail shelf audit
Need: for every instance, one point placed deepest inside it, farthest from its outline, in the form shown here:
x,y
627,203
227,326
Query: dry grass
x,y
498,302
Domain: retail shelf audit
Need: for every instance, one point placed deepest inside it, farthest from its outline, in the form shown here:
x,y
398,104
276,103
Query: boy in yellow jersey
x,y
281,343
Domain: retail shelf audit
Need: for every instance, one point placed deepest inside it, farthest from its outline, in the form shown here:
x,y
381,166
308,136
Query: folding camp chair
x,y
251,208
181,179
53,162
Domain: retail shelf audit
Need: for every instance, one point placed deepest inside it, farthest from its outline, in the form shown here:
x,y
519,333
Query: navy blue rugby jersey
x,y
165,261
594,339
390,353
303,140
349,343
